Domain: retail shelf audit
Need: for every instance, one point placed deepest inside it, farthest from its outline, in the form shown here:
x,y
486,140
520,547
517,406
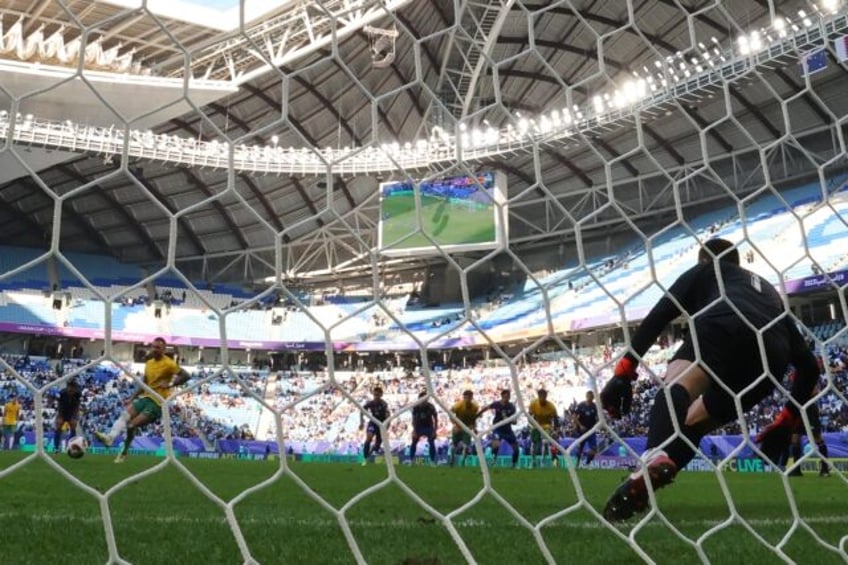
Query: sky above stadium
x,y
216,14
215,4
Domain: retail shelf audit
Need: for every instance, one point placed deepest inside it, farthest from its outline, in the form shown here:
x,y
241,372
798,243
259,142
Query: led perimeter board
x,y
466,213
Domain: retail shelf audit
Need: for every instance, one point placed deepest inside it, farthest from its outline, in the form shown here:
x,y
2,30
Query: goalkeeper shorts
x,y
730,355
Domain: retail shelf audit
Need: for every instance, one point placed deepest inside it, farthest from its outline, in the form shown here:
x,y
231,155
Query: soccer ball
x,y
76,447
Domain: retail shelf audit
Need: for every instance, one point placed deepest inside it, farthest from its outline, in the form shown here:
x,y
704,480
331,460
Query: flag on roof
x,y
813,62
840,46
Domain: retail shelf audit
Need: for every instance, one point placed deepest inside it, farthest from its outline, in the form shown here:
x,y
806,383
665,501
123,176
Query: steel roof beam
x,y
114,206
181,221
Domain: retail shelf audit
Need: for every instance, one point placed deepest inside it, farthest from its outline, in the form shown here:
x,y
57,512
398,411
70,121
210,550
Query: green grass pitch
x,y
165,518
448,223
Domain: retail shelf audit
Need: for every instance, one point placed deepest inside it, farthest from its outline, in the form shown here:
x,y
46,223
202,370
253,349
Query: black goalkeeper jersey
x,y
699,295
698,292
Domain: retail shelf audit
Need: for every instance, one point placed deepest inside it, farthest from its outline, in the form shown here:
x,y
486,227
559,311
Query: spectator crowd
x,y
319,410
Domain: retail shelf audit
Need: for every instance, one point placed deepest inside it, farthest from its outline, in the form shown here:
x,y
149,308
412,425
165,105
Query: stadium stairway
x,y
267,418
207,445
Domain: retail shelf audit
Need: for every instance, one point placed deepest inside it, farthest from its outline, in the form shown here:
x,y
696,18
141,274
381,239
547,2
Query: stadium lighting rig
x,y
676,77
302,28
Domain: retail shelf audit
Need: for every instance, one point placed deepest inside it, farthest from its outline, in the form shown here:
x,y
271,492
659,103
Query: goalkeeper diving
x,y
741,342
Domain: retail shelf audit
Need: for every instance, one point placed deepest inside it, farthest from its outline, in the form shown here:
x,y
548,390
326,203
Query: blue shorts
x,y
505,433
373,428
591,442
420,432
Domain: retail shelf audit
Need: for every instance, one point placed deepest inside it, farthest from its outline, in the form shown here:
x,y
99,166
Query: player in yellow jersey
x,y
466,411
545,415
161,373
11,413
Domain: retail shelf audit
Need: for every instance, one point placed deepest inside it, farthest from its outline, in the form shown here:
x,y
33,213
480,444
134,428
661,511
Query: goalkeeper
x,y
161,373
730,309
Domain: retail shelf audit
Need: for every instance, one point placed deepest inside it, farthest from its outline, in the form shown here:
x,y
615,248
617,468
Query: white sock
x,y
120,425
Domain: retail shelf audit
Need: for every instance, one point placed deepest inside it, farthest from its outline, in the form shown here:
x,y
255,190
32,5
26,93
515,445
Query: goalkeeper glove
x,y
775,438
617,395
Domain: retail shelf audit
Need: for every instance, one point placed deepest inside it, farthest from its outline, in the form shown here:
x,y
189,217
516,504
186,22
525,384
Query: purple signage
x,y
715,448
816,282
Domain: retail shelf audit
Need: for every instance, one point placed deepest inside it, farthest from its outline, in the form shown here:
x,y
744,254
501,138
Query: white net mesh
x,y
169,171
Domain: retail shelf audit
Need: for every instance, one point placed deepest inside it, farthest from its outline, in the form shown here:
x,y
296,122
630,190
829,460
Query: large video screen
x,y
466,213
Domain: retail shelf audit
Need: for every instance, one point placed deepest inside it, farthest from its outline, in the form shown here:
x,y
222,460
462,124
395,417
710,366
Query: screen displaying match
x,y
454,214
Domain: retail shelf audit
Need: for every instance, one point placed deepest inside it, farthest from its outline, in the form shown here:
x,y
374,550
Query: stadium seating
x,y
35,277
574,296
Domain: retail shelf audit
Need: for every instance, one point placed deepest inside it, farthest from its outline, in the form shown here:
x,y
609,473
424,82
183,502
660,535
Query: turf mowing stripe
x,y
403,524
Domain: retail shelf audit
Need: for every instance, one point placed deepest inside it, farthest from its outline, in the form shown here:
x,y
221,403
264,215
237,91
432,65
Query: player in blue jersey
x,y
425,422
503,410
585,417
379,411
67,413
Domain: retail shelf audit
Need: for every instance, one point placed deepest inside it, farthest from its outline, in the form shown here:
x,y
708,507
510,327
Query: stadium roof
x,y
470,63
221,15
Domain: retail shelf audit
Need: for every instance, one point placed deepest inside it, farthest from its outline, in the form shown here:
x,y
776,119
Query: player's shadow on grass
x,y
440,218
439,211
443,223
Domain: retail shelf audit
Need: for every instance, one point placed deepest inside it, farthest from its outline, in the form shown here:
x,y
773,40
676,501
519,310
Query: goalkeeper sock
x,y
662,425
366,449
822,447
57,439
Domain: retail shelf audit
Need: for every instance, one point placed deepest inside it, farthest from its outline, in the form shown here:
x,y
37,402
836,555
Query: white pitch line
x,y
392,524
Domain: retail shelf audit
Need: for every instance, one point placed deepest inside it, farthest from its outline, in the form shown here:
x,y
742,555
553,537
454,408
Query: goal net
x,y
324,207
